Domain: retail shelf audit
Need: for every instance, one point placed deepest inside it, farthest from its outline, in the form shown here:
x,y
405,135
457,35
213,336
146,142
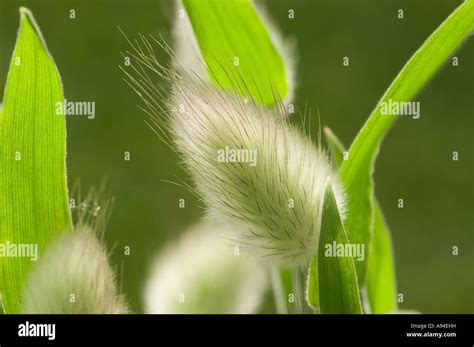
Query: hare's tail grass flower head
x,y
253,170
202,273
74,275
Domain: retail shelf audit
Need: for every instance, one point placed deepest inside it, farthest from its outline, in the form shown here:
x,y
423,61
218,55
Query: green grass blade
x,y
312,286
33,190
336,149
356,172
242,36
338,288
381,280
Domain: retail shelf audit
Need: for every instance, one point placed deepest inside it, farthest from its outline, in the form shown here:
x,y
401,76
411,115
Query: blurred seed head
x,y
185,45
202,273
285,45
73,276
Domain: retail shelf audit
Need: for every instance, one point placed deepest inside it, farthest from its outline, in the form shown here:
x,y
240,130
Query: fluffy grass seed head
x,y
253,170
74,274
201,273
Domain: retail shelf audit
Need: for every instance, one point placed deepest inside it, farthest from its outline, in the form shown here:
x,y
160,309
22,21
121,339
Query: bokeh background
x,y
414,164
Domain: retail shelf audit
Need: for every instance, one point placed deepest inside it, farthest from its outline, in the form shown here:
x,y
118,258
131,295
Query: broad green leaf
x,y
338,288
239,55
356,172
381,283
33,191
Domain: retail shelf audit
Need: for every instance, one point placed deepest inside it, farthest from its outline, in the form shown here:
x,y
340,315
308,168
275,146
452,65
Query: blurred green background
x,y
414,164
